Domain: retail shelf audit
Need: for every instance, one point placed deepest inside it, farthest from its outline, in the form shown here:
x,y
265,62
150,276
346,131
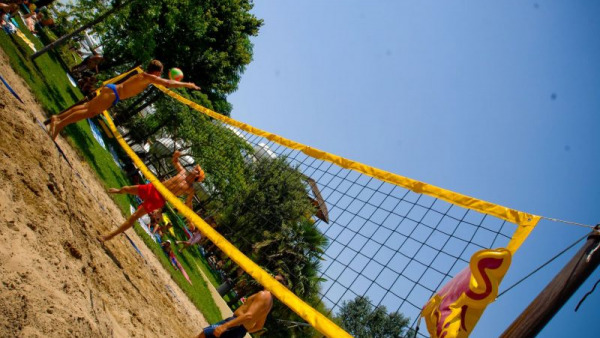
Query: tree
x,y
295,250
273,198
216,148
360,319
117,6
270,221
209,40
83,11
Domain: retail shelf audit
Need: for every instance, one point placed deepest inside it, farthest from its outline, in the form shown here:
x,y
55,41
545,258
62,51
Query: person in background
x,y
195,239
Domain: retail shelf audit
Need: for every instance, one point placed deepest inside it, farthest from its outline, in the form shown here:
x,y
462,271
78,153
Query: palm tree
x,y
295,252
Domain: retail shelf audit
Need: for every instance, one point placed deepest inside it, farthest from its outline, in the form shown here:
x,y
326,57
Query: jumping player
x,y
180,184
111,94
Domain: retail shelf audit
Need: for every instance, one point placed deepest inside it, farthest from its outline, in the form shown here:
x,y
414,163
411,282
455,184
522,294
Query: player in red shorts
x,y
181,184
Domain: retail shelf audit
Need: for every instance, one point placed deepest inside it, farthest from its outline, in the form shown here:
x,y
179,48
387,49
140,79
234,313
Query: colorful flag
x,y
455,309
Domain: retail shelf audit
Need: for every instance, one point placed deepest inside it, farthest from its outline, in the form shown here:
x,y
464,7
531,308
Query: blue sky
x,y
494,99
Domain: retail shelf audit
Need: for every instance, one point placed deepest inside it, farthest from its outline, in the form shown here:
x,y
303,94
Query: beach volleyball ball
x,y
175,74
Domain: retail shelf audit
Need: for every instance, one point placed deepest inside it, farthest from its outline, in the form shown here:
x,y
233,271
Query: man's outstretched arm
x,y
171,83
175,160
190,198
188,202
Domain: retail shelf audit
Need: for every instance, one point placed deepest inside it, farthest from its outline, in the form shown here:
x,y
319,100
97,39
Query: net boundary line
x,y
525,222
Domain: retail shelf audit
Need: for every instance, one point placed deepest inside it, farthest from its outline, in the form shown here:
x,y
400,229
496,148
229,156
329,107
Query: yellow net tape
x,y
525,221
313,317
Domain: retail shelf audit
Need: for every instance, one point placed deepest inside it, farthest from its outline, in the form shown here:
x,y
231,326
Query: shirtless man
x,y
111,94
180,184
89,63
249,317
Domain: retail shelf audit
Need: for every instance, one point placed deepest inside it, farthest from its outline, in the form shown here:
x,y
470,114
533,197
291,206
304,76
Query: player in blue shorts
x,y
249,317
111,94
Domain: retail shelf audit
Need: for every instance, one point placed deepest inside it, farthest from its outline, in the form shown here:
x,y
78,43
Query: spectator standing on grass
x,y
155,219
89,63
168,250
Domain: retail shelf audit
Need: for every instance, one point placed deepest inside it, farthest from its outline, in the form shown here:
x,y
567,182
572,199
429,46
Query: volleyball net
x,y
415,248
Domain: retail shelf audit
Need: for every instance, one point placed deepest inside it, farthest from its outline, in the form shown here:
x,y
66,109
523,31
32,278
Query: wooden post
x,y
558,291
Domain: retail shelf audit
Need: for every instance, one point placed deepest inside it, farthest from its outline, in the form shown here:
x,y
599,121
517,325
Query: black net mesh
x,y
393,245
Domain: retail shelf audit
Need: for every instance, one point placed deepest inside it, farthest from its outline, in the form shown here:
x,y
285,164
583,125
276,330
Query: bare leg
x,y
57,118
9,8
75,116
126,225
90,109
51,126
67,113
201,335
130,189
79,103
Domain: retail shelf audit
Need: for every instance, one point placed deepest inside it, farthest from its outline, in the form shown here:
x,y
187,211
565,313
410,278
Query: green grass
x,y
45,76
192,254
47,79
202,299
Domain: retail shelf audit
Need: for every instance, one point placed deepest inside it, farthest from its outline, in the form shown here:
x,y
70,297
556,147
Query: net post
x,y
535,317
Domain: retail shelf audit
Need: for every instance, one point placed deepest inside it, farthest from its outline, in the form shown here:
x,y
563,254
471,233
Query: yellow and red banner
x,y
455,309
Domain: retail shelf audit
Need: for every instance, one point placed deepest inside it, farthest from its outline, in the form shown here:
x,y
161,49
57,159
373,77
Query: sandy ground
x,y
56,279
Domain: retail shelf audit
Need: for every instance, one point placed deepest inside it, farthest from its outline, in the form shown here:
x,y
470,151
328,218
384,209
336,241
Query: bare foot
x,y
51,125
52,128
113,191
102,239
